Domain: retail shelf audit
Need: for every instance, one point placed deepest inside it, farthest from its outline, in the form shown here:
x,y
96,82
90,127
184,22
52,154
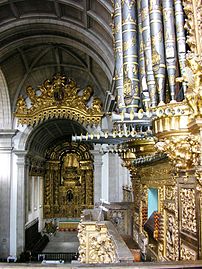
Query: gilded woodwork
x,y
68,186
193,23
183,151
171,237
96,245
188,210
187,253
193,77
58,98
171,119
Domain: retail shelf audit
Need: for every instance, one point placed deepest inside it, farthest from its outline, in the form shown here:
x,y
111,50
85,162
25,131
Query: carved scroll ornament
x,y
96,245
188,205
183,151
192,75
58,98
193,23
187,254
171,238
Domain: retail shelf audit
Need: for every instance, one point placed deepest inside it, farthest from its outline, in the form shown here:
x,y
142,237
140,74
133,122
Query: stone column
x,y
97,173
40,198
17,211
113,178
5,181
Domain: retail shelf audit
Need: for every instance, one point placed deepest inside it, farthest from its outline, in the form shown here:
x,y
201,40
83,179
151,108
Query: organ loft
x,y
101,132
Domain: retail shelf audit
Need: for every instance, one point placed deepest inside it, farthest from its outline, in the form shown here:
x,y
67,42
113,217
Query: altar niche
x,y
68,184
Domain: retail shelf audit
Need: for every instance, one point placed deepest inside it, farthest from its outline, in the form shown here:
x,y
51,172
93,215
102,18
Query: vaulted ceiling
x,y
39,38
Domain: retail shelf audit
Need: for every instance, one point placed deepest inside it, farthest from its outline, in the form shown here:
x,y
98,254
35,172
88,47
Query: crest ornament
x,y
58,98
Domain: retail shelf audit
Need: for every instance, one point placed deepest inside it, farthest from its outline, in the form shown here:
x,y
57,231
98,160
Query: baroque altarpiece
x,y
68,186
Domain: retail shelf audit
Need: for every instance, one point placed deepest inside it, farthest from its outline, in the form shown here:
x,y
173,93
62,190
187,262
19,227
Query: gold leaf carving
x,y
193,23
188,205
58,98
183,151
171,238
96,245
187,253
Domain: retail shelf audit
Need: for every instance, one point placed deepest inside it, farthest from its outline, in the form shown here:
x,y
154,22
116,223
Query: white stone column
x,y
97,173
17,227
5,181
113,178
105,177
40,206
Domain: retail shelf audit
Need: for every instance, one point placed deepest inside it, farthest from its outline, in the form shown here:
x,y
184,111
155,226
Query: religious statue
x,y
21,105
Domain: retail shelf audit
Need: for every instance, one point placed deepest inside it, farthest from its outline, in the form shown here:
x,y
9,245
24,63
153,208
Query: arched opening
x,y
59,185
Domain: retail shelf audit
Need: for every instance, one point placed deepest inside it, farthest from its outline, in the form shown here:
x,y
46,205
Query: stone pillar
x,y
113,178
17,211
40,206
5,178
97,173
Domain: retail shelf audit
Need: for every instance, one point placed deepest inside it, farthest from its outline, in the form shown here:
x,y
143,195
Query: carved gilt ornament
x,y
58,98
184,151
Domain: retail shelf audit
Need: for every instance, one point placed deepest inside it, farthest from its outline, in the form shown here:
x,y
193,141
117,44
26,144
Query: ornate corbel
x,y
183,151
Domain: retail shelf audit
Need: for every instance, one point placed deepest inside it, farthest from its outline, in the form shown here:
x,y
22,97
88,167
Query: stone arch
x,y
5,107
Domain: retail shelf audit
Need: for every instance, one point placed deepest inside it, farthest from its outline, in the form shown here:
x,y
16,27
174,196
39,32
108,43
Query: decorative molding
x,y
184,151
96,245
188,210
58,99
171,237
193,11
187,254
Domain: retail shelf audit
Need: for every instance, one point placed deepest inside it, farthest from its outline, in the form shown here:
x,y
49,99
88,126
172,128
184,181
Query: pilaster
x,y
97,173
17,227
5,181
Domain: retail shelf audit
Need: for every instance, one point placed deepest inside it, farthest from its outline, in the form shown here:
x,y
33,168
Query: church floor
x,y
63,242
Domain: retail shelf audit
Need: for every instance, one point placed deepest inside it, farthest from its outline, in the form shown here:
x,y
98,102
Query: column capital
x,y
21,154
6,139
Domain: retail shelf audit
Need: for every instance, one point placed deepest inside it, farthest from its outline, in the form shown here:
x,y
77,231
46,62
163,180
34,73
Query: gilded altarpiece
x,y
68,185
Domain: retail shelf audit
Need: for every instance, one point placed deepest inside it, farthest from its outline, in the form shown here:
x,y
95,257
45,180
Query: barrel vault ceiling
x,y
39,38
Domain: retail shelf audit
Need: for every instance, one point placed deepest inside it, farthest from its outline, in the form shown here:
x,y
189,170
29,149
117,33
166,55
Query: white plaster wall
x,y
114,177
35,211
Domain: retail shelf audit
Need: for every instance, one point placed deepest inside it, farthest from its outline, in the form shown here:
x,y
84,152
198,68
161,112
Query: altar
x,y
68,225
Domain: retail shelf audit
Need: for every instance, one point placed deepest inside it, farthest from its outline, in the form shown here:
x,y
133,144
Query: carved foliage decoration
x,y
58,98
193,72
192,75
183,151
171,237
188,206
187,254
101,249
82,236
193,10
96,245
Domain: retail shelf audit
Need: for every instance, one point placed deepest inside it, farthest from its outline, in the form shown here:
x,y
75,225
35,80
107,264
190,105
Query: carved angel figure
x,y
21,105
96,105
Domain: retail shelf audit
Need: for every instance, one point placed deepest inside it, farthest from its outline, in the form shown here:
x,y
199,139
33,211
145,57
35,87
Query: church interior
x,y
101,132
